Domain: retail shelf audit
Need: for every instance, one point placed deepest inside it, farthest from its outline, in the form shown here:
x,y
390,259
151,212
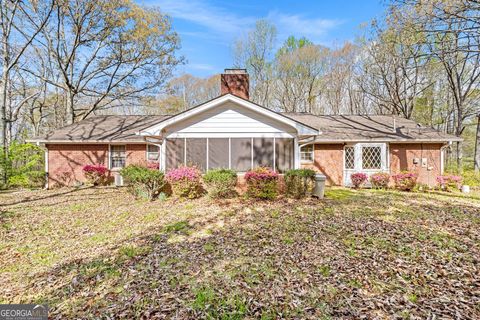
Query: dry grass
x,y
93,253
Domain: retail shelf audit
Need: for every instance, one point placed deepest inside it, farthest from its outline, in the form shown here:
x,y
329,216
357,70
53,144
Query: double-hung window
x,y
307,153
153,152
117,156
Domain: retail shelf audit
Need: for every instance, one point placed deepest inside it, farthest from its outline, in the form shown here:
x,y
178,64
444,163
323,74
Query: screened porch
x,y
239,154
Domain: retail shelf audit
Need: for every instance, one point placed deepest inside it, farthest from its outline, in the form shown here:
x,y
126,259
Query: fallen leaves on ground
x,y
93,253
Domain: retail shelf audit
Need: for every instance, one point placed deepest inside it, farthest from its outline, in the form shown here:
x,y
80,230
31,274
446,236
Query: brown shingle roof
x,y
345,128
102,129
348,128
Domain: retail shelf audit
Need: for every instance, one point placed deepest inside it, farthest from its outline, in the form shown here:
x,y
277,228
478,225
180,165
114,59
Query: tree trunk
x,y
477,147
459,156
70,110
3,122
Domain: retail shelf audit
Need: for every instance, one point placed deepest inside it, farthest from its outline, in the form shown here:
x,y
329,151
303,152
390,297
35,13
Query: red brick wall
x,y
65,161
136,154
402,156
328,160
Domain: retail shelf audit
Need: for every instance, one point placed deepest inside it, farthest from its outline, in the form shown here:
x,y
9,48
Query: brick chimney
x,y
235,81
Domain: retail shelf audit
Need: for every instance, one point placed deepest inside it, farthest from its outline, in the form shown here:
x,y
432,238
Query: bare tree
x,y
299,68
107,52
394,66
255,53
20,24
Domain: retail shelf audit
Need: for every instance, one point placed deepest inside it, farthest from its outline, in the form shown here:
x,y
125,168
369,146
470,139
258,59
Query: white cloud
x,y
226,24
204,14
293,24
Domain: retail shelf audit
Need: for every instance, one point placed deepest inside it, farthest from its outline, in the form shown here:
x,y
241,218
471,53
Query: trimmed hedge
x,y
299,182
220,183
143,182
185,182
262,183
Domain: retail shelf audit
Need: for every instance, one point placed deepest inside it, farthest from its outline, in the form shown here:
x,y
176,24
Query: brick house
x,y
232,132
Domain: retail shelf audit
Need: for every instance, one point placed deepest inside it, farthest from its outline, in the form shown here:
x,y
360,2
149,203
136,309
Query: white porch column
x,y
163,155
296,158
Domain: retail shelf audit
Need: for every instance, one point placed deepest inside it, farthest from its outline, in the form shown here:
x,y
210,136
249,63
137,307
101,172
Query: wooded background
x,y
65,60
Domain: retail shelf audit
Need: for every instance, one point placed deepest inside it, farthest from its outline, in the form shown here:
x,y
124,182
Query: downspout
x,y
442,156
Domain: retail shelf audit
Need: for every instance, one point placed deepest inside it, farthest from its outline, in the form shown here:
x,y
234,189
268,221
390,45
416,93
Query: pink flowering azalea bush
x,y
95,174
262,183
153,165
185,182
405,181
358,179
449,182
380,180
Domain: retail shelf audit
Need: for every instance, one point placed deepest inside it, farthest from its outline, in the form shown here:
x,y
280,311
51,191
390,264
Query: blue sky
x,y
208,28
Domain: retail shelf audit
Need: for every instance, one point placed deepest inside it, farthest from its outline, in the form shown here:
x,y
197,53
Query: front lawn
x,y
93,253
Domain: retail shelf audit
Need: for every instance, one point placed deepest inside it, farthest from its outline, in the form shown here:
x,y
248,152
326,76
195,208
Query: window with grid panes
x,y
371,157
349,158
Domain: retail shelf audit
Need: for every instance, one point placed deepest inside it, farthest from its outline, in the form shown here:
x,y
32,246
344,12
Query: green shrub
x,y
220,183
185,182
143,182
262,183
23,165
299,182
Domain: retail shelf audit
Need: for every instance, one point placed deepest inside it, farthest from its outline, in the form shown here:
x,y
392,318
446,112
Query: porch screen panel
x,y
284,152
218,153
241,154
263,152
197,152
175,149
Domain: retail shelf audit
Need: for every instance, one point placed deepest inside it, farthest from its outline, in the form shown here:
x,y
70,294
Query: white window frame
x,y
312,153
358,162
345,156
110,155
149,152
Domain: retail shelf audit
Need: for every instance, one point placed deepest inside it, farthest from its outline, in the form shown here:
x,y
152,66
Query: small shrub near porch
x,y
143,182
449,182
380,180
405,181
299,182
220,183
185,182
262,183
95,174
358,179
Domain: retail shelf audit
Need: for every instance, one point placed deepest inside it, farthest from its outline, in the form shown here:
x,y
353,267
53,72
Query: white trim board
x,y
159,128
